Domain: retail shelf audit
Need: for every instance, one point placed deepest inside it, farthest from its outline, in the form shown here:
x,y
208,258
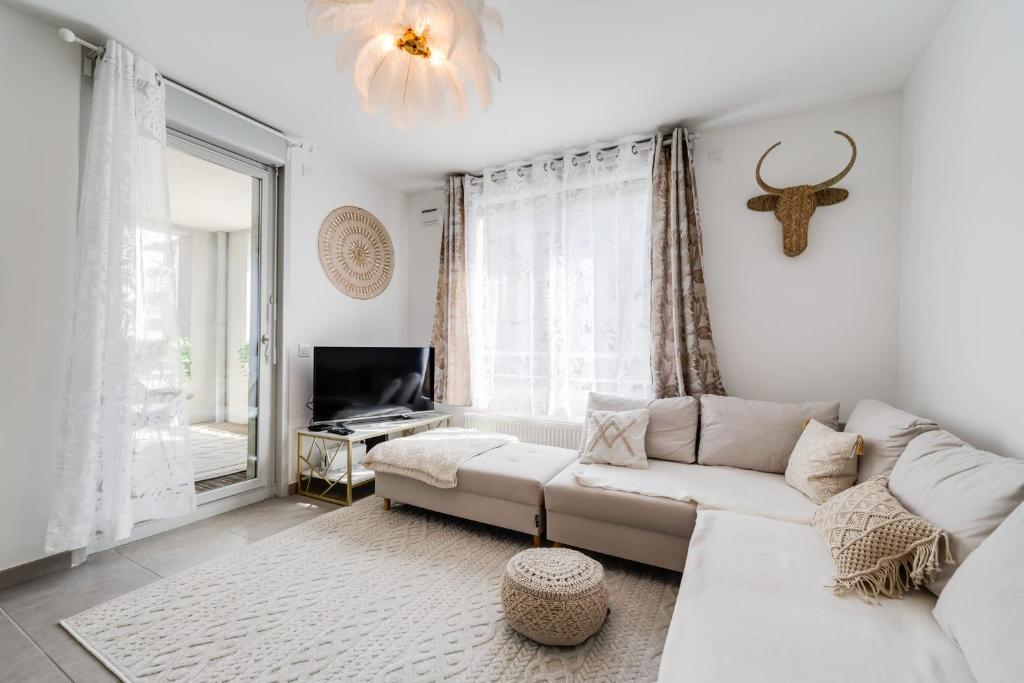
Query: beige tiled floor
x,y
33,646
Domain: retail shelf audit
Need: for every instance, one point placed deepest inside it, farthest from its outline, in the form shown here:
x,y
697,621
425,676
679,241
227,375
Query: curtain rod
x,y
68,36
477,177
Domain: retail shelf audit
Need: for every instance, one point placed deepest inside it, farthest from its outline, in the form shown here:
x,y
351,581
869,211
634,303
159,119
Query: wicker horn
x,y
757,173
842,174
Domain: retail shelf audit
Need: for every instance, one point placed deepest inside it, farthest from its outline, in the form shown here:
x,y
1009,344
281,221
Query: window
x,y
558,270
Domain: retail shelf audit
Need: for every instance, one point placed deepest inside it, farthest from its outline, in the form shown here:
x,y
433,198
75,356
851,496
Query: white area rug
x,y
217,449
364,594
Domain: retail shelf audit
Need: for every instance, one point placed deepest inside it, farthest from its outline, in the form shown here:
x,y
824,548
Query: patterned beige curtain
x,y
683,358
450,338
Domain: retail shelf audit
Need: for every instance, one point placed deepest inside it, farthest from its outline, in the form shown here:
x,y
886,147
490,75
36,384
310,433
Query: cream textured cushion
x,y
615,438
755,435
672,430
824,462
886,432
877,546
981,606
965,491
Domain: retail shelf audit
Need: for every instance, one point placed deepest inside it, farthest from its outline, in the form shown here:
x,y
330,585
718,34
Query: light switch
x,y
305,350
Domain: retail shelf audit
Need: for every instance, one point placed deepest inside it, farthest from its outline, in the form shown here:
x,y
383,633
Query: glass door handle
x,y
266,346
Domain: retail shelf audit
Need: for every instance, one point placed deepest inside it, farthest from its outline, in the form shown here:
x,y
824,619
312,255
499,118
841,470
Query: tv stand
x,y
334,477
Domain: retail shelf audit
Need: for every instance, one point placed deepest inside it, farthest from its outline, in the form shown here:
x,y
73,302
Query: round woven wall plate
x,y
356,252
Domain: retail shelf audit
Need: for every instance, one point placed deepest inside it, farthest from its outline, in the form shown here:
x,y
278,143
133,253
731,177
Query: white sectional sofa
x,y
753,603
753,606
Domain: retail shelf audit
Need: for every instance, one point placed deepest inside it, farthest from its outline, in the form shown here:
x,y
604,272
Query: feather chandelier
x,y
411,56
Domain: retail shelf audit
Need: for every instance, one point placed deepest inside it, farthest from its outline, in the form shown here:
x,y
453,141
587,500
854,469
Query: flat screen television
x,y
352,383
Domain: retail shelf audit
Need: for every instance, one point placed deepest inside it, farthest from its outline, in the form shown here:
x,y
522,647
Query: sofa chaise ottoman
x,y
503,486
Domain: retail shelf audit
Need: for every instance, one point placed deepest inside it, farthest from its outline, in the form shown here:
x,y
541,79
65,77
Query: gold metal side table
x,y
323,464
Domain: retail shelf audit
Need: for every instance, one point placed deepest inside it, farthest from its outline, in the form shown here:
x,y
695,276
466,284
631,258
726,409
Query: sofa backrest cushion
x,y
756,435
672,429
886,432
980,607
965,491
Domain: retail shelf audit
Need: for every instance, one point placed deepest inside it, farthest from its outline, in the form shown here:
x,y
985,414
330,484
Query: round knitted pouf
x,y
554,596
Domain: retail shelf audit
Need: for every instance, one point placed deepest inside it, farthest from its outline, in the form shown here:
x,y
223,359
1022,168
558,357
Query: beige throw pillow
x,y
966,491
672,430
886,432
824,462
615,438
755,435
879,549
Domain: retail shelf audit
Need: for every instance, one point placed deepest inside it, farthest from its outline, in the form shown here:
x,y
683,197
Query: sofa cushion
x,y
886,432
755,435
879,548
966,491
516,471
823,462
756,493
972,609
672,429
615,437
751,607
664,515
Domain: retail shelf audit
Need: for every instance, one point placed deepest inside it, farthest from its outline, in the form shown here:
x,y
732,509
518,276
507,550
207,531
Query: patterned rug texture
x,y
364,594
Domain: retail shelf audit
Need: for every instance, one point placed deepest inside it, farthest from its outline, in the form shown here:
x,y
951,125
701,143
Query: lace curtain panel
x,y
125,453
559,281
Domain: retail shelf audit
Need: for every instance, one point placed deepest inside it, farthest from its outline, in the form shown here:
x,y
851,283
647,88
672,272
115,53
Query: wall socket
x,y
305,350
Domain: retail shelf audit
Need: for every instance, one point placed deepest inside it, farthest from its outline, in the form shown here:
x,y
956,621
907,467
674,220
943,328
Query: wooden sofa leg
x,y
556,544
536,540
387,503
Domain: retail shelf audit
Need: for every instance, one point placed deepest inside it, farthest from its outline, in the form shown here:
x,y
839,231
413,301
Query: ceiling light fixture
x,y
411,56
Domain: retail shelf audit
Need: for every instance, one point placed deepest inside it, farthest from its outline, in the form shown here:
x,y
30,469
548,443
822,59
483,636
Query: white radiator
x,y
529,429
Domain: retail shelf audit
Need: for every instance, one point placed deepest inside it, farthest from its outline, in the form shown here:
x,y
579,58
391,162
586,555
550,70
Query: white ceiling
x,y
206,196
574,71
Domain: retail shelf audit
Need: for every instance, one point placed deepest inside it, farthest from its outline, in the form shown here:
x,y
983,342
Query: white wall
x,y
821,325
238,310
39,85
315,312
199,261
425,255
961,348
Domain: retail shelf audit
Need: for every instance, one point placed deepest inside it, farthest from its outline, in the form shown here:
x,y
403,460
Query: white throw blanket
x,y
434,456
606,477
752,493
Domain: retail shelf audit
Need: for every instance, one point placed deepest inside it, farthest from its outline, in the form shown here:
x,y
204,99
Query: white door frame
x,y
265,300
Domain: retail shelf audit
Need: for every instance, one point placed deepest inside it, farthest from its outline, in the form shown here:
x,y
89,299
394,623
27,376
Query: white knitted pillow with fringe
x,y
879,549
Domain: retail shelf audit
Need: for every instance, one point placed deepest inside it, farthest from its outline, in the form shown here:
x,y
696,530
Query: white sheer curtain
x,y
125,455
559,281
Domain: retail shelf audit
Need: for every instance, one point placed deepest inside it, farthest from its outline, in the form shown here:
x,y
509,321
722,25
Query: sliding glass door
x,y
223,227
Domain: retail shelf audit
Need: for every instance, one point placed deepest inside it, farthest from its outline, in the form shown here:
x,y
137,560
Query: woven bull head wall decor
x,y
794,206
